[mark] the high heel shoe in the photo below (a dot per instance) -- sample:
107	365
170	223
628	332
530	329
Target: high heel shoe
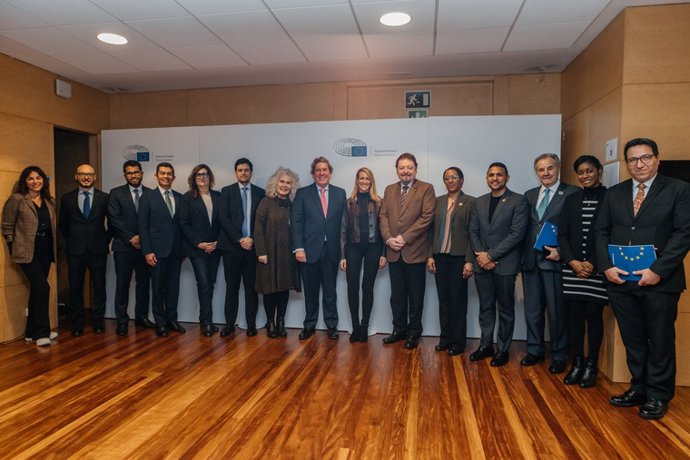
281	332
271	329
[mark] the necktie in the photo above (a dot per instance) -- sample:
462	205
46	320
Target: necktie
87	205
136	199
245	223
169	203
324	203
403	195
639	198
543	204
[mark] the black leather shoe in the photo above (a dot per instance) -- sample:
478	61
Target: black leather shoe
208	329
145	322
161	331
271	331
455	350
396	336
531	360
121	329
653	409
227	330
576	371
628	399
482	353
251	330
98	328
333	333
500	359
175	326
411	343
589	376
441	347
354	337
363	334
77	332
557	366
306	333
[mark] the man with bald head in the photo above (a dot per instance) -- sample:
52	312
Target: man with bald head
83	214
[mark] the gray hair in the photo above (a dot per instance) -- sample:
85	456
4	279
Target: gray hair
544	156
272	183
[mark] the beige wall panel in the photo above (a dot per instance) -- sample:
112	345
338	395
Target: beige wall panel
657	40
684	304
575	141
604	124
32	95
502	95
25	142
534	94
597	71
683	349
261	104
149	110
13	318
660	112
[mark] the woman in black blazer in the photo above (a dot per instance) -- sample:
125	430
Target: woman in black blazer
28	226
200	226
583	284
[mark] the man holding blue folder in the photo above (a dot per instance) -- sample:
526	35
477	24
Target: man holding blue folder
651	211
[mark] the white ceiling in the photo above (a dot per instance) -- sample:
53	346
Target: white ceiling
178	44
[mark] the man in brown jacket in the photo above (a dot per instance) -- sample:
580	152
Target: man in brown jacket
406	213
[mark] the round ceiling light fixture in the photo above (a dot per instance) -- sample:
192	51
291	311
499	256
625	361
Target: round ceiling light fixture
395	19
112	39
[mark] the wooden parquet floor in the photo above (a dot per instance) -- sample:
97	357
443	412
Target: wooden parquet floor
188	396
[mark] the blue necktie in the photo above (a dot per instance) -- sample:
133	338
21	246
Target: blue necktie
86	210
245	223
543	204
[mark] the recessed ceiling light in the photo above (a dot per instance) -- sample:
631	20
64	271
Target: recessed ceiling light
112	39
395	19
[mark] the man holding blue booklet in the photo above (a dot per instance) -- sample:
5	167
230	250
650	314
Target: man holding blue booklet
650	211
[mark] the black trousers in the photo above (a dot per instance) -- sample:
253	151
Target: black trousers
646	321
408	282
320	276
36	272
165	282
585	316
125	264
205	272
239	266
452	299
496	291
276	302
356	255
76	271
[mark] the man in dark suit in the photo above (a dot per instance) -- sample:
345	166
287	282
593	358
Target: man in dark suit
161	244
407	211
649	209
123	206
497	228
236	241
83	214
317	212
541	269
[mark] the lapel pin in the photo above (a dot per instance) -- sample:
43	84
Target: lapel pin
561	192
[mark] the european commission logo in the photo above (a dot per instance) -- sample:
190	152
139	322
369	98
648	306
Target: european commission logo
136	152
350	147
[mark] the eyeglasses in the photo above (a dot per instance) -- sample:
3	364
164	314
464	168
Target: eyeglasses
86	175
450	178
201	175
645	159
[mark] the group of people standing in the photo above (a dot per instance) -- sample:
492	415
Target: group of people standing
289	237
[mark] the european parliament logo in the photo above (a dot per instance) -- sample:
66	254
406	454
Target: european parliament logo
350	147
136	152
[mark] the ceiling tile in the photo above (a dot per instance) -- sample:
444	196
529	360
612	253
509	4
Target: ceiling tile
175	32
332	48
386	46
49	40
273	4
471	40
88	34
151	60
272	52
318	21
245	27
130	10
475	14
95	62
63	12
544	36
423	14
12	17
206	7
209	57
549	11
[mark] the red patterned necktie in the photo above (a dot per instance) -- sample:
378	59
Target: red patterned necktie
639	198
324	203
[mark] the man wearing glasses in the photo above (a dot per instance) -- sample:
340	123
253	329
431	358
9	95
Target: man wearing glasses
123	207
83	214
648	209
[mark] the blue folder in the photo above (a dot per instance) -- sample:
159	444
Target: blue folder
548	236
632	258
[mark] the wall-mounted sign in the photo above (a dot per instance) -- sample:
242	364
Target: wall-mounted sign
417	114
417	99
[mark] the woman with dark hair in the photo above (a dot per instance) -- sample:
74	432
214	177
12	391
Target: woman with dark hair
361	244
450	259
583	286
277	271
200	226
28	226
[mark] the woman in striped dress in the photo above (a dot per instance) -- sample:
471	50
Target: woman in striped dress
583	285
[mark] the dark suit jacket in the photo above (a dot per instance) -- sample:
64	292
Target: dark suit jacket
411	221
122	217
82	234
195	225
502	237
531	258
663	220
159	232
309	227
460	223
231	215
